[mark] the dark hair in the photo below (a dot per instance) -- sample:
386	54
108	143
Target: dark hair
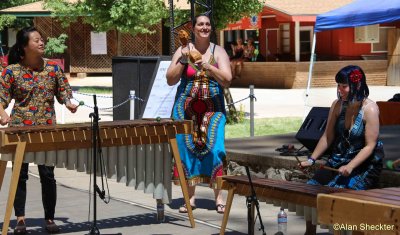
354	76
17	50
203	14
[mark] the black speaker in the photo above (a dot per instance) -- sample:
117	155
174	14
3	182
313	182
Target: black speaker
131	73
313	127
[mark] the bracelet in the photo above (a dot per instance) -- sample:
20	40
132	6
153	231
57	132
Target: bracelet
311	160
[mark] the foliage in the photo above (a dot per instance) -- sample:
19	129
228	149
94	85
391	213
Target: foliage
12	3
264	126
225	11
136	16
55	46
237	117
6	21
126	16
10	20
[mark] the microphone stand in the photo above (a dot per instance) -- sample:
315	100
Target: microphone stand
96	147
250	201
95	130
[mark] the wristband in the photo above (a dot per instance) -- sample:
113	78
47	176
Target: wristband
311	160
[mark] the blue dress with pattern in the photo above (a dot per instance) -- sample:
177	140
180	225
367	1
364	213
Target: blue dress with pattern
345	147
200	98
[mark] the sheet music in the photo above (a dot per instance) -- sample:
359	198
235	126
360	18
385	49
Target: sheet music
162	96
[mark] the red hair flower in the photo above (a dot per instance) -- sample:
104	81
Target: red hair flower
355	76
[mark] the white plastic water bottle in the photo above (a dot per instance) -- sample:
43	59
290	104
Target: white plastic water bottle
282	221
160	212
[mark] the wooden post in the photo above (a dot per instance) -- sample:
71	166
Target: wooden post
19	156
229	199
393	70
182	179
3	165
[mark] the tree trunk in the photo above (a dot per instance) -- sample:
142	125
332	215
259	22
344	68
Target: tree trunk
231	105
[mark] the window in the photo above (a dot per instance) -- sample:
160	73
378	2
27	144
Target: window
366	34
285	37
381	46
305	39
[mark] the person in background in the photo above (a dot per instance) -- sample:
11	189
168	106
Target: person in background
33	82
352	133
200	98
237	58
249	50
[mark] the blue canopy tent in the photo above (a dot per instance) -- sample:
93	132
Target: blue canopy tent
355	14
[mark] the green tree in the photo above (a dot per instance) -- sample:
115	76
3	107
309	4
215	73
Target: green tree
55	46
225	11
228	11
125	16
10	20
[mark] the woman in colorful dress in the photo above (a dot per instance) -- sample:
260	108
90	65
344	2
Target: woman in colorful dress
352	133
200	98
33	82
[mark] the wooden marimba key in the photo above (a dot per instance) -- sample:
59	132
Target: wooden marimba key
373	211
288	194
70	145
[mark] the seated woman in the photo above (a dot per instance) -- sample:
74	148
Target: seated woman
237	58
352	134
249	50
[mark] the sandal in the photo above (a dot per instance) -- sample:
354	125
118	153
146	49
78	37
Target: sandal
52	227
220	208
183	208
20	228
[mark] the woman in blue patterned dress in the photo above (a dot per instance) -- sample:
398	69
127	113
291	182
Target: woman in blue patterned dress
200	98
352	133
33	82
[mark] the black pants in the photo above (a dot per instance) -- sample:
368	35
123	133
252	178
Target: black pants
49	191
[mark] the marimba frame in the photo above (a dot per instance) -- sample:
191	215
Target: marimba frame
19	140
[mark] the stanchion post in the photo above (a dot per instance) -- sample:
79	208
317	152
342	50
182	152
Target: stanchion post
132	105
251	110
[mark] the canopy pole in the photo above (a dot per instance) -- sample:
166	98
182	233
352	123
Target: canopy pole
310	71
312	59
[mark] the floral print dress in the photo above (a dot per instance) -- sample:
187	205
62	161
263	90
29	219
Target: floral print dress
33	92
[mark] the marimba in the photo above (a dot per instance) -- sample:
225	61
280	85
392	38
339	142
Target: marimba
374	211
295	196
136	152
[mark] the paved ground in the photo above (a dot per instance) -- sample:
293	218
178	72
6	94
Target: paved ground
132	212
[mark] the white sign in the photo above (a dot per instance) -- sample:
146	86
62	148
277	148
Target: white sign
162	96
98	42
